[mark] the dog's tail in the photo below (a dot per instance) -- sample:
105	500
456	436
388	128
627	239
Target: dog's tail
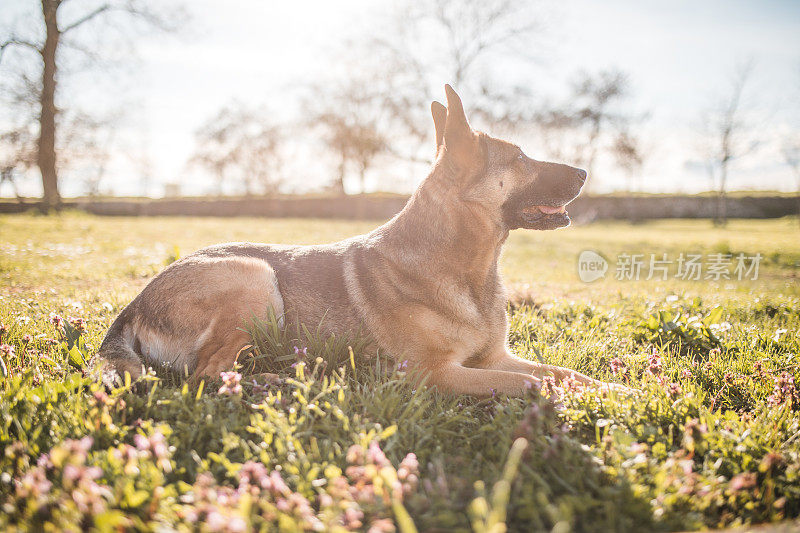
117	352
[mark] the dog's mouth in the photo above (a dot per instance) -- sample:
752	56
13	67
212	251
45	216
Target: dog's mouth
544	217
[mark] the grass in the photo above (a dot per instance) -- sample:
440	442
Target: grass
711	440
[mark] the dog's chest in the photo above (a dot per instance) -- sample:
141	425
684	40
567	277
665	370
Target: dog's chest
476	320
459	304
470	302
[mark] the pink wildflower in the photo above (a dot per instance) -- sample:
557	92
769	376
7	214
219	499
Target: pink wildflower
77	323
56	320
654	363
785	391
618	366
231	383
743	481
674	390
156	446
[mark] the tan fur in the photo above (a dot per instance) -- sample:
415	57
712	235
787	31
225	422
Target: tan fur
189	317
425	286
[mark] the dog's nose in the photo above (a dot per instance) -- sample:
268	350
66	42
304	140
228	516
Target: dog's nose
581	174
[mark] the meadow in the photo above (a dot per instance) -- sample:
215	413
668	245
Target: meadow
711	438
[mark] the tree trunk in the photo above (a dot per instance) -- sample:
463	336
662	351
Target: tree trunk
630	201
591	183
722	201
798	204
338	185
46	157
363	178
798	196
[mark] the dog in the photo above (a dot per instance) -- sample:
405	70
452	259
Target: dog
425	286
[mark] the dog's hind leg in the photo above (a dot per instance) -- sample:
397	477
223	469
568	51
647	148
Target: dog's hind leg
118	356
237	306
220	353
189	318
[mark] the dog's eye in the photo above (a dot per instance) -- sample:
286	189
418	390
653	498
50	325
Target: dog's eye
521	156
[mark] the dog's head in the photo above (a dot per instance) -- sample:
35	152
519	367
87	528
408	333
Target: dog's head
513	189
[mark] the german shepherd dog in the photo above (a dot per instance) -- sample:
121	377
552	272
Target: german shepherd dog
425	286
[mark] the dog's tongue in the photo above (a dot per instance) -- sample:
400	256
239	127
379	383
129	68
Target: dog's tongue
550	210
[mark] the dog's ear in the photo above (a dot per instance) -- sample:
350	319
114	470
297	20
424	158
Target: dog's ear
460	141
439	113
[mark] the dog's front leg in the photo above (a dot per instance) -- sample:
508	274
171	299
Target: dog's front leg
501	359
482	382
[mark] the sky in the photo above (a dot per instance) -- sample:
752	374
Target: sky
679	56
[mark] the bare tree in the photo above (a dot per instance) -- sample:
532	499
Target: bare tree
84	146
17	155
141	161
241	146
472	30
351	117
419	44
791	154
628	155
595	97
728	136
591	122
45	49
18	139
473	40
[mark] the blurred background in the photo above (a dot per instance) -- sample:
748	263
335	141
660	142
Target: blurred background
250	99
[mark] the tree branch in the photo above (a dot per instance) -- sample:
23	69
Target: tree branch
86	18
14	41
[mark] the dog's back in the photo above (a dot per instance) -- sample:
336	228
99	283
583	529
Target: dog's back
174	321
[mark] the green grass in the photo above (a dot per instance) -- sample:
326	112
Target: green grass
711	440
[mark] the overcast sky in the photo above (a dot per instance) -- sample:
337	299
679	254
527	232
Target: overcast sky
679	56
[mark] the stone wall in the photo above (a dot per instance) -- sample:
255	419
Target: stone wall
375	207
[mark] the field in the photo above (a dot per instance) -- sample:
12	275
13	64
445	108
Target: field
711	439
